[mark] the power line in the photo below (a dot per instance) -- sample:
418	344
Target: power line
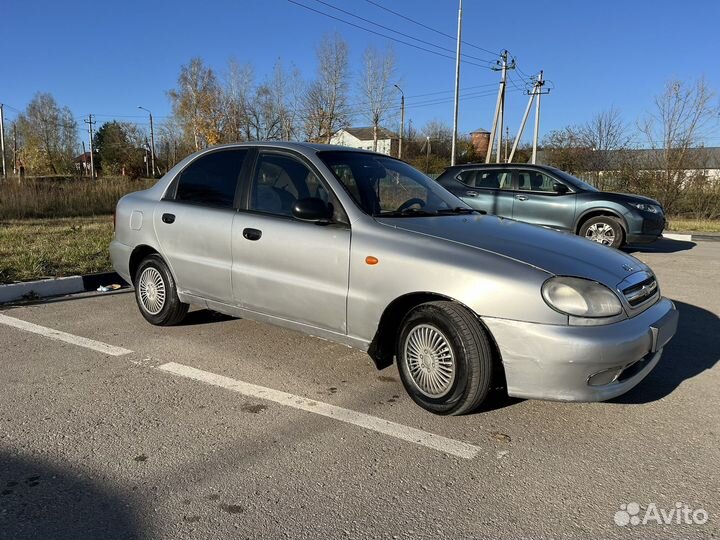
494	54
324	14
398	32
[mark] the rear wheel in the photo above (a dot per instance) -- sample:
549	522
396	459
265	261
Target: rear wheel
444	358
156	293
605	230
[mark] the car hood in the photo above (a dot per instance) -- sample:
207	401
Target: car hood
554	252
617	197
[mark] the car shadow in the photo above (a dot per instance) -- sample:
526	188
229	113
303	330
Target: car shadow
693	350
204	316
42	500
665	245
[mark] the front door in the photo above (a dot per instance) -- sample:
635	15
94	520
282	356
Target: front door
488	190
537	202
194	224
284	267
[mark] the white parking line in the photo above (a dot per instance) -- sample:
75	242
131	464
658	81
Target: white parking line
373	423
399	431
62	336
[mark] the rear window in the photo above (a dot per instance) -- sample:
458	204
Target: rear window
211	179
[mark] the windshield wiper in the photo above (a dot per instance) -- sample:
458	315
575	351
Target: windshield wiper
408	212
456	210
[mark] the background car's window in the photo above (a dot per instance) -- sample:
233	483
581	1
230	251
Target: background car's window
486	179
281	180
211	179
535	181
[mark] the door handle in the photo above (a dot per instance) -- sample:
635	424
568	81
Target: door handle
168	218
521	197
472	194
252	234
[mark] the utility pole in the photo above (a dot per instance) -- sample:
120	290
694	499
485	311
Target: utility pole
497	124
426	147
15	160
402	120
90	122
507	138
536	92
147	164
539	83
2	140
457	86
152	139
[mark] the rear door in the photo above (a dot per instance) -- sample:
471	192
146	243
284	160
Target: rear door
284	267
537	202
194	223
487	189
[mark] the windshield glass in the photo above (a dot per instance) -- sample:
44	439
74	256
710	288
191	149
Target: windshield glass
575	182
387	187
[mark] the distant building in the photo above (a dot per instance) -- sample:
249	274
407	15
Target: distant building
701	160
480	140
82	163
362	137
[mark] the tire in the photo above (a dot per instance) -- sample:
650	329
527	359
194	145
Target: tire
152	279
606	230
445	326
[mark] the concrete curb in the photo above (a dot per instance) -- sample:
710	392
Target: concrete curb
678	237
692	237
32	290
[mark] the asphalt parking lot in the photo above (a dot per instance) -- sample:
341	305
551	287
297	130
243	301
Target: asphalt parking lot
226	428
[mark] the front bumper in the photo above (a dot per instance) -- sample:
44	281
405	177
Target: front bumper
556	362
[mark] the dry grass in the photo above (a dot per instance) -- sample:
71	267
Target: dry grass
36	249
61	197
694	225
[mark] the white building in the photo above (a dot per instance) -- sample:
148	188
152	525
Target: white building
362	137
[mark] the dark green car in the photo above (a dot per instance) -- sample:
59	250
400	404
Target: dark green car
549	197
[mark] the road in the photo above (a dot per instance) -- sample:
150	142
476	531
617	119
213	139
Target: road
208	430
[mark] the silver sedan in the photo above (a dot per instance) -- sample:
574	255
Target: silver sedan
364	250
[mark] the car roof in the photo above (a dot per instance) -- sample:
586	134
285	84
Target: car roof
292	145
496	165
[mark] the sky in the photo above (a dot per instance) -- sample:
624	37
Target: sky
107	58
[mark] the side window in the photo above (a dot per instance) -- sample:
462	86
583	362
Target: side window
211	179
486	179
535	181
281	180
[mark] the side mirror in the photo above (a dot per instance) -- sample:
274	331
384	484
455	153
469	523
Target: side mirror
559	188
312	209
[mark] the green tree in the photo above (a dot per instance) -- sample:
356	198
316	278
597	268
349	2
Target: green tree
119	148
47	135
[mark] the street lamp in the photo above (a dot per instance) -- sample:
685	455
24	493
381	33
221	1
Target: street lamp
402	119
152	140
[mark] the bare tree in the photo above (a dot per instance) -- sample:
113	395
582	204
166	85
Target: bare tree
197	103
237	95
603	142
326	98
684	115
377	83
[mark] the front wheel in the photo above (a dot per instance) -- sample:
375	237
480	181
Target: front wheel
444	358
604	230
156	294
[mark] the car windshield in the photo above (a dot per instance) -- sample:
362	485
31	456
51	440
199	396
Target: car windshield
574	181
387	187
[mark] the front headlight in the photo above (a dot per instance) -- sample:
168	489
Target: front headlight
581	297
647	207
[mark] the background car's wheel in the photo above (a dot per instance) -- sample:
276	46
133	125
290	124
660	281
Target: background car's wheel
605	230
444	358
156	293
